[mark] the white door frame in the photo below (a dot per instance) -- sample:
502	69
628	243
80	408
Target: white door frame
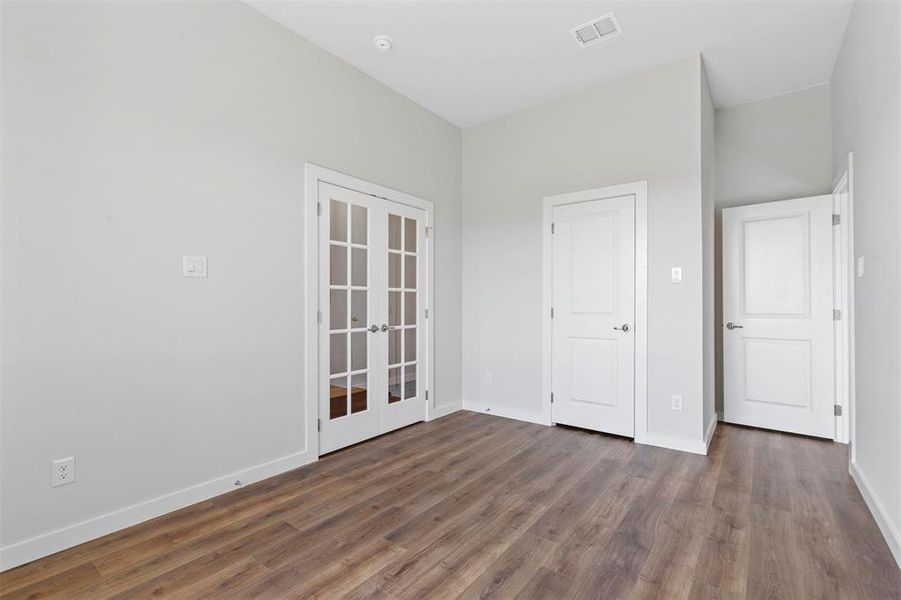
843	259
313	175
639	189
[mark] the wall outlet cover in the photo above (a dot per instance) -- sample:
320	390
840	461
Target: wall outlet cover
62	471
677	401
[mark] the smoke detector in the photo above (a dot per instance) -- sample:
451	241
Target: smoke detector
594	31
383	43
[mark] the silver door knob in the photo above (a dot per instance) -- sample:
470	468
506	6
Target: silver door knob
389	327
730	326
624	327
373	329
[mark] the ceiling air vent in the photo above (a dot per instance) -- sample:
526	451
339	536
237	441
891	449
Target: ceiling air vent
599	29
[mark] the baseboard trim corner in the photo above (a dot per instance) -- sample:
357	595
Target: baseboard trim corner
506	412
672	443
891	535
443	411
708	435
51	542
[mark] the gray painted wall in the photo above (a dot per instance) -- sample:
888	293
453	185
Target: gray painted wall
775	149
646	126
133	134
866	102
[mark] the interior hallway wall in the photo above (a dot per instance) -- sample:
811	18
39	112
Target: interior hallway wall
645	126
775	149
134	133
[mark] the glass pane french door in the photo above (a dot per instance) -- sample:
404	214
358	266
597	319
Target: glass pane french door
348	350
404	310
372	339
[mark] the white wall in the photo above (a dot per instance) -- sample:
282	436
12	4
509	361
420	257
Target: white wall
708	201
134	133
866	102
645	126
775	149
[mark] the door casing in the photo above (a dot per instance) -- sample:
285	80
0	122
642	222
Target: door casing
313	176
639	189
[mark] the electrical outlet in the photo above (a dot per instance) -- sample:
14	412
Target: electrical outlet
487	378
677	401
62	471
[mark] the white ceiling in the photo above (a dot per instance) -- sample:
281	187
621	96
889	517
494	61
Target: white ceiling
472	61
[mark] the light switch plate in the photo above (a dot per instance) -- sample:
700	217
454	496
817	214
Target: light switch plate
677	274
193	266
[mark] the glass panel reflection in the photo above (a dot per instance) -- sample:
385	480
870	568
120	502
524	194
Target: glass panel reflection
394	232
358	224
393	308
410	235
338	265
338	221
337	397
358	316
394	385
338	353
394	270
409	381
394	346
410	272
358	350
358	266
358	392
338	309
409	308
409	344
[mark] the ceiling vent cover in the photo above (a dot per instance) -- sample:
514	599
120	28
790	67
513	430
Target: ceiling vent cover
599	29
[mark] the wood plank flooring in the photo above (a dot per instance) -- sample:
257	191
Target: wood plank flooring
474	506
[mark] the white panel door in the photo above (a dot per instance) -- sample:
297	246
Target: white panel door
593	341
777	308
372	342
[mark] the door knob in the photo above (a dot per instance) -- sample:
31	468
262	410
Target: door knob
730	326
373	329
385	327
624	327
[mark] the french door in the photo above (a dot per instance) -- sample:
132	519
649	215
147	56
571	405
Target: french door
372	279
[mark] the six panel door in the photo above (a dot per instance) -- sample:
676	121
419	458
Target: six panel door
777	313
593	352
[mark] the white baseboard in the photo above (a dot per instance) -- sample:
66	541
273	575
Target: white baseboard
45	544
891	535
672	443
442	411
708	435
506	412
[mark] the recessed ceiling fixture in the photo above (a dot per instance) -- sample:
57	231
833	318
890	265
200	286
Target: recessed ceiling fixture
594	31
383	43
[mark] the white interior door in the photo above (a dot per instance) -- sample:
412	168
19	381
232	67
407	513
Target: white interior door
777	305
372	283
593	341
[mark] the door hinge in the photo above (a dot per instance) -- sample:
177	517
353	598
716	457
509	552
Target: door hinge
552	228
318	424
427	394
552	397
552	312
426	313
319	316
836	219
837	409
319	209
836	314
428	230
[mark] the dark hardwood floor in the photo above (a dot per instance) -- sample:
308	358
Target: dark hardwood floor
475	506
